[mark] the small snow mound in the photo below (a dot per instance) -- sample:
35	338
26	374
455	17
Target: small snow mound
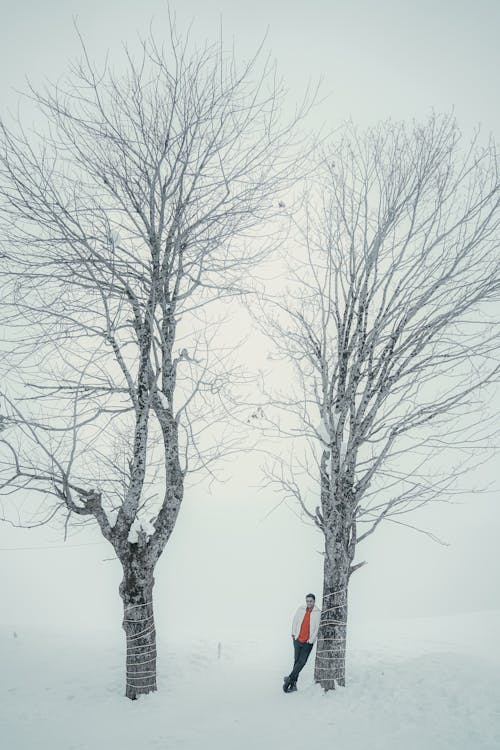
138	526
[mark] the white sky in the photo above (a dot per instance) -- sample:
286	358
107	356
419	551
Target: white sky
228	567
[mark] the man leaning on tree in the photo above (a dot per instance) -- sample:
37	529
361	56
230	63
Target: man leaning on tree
305	628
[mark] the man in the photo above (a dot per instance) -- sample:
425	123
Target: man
305	628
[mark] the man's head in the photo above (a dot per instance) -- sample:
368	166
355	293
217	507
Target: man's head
310	600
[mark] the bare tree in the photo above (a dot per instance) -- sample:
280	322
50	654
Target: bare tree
128	211
389	322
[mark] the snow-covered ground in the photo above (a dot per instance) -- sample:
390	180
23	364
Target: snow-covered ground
419	684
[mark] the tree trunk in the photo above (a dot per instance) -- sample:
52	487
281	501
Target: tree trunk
136	591
330	654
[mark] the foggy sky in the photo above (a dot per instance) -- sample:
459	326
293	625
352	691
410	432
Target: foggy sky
230	566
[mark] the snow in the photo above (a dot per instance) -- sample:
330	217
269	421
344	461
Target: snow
112	515
140	525
342	452
163	399
417	683
323	432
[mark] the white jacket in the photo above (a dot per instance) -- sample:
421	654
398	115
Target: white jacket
313	622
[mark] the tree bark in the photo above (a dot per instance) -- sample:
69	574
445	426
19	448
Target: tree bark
331	649
136	591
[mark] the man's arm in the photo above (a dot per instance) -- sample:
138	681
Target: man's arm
314	627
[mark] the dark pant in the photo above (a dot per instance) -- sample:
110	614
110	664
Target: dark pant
301	653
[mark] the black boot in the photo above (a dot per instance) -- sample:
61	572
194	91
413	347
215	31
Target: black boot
286	683
292	688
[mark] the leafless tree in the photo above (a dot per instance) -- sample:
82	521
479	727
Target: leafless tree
129	210
389	321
